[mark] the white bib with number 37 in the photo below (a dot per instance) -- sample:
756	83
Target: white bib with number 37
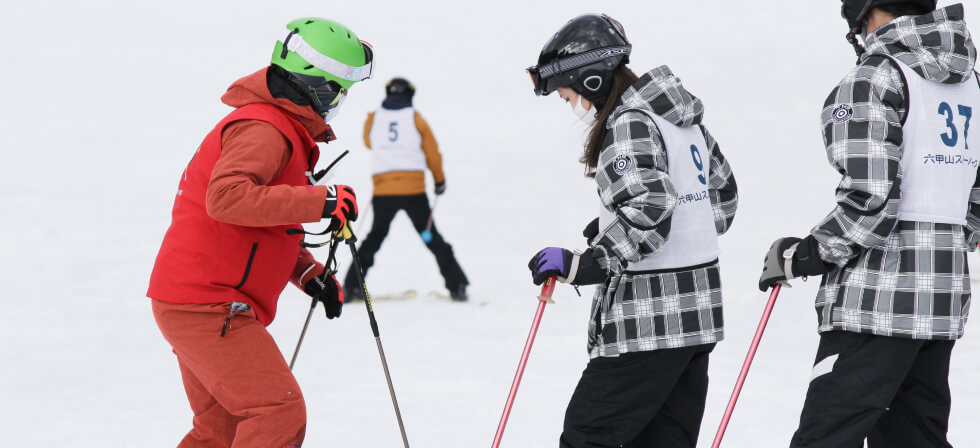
941	152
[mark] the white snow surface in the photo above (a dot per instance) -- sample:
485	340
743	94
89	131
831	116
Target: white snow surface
107	100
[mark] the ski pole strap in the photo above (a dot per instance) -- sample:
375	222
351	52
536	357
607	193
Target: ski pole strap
303	243
331	264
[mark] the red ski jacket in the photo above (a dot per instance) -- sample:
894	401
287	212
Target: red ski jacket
207	260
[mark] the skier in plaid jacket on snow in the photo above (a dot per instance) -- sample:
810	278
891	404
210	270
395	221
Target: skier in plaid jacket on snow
688	301
895	292
665	193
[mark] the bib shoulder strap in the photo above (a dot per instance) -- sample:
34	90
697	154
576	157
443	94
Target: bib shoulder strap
649	115
905	81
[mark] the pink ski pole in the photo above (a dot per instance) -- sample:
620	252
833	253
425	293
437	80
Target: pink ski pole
546	290
746	365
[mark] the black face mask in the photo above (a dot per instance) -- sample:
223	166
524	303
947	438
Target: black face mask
323	93
303	90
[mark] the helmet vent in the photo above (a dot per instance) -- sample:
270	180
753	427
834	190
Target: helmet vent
331	30
308	67
309	22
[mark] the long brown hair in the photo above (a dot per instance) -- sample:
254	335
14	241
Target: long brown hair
622	79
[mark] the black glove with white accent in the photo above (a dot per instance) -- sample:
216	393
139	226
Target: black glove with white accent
327	290
440	188
790	258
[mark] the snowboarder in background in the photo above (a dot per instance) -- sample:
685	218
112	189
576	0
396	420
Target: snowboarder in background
665	194
895	291
403	146
227	254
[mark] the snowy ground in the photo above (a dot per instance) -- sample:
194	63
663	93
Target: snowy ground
106	101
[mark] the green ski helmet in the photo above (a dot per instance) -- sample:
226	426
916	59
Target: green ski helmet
325	56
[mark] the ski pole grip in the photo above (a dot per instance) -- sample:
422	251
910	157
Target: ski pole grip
547	289
345	232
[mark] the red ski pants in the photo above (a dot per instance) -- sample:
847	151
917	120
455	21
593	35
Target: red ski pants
239	386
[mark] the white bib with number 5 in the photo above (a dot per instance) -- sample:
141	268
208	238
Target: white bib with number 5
396	142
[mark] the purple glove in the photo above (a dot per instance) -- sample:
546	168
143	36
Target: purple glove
550	262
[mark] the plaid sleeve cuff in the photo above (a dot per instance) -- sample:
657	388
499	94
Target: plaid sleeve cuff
807	261
608	263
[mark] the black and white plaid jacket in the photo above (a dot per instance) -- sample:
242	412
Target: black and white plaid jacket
891	277
653	310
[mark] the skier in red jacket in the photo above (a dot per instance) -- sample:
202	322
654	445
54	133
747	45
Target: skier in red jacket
227	254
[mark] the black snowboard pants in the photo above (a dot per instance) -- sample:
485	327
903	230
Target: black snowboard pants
894	392
417	207
650	399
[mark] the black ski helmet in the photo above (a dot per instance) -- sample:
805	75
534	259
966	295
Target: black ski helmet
855	12
582	55
399	86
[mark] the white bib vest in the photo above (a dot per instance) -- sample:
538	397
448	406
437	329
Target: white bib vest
396	142
692	239
940	151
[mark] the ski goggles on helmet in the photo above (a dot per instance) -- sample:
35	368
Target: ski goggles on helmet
547	77
292	41
324	93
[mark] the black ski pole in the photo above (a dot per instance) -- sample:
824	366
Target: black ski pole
351	239
427	233
328	270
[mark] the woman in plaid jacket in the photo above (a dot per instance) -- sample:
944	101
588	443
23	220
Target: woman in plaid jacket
895	293
657	311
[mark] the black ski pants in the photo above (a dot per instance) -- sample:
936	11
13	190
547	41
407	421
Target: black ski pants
894	392
417	207
652	399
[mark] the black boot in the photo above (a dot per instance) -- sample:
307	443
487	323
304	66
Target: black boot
458	294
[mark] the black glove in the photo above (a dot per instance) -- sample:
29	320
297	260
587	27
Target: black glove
589	271
592	230
327	290
340	206
790	258
440	188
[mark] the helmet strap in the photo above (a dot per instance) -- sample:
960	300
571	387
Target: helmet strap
851	37
285	44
